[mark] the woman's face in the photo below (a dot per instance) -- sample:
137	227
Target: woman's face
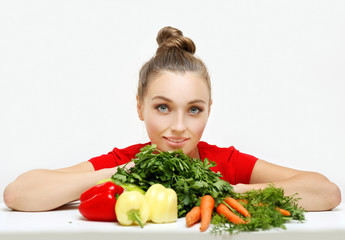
175	110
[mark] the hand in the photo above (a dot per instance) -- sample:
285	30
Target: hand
112	171
240	188
129	165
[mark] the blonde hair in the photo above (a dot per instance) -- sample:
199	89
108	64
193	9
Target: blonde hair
175	53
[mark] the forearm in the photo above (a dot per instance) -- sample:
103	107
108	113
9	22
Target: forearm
41	189
317	193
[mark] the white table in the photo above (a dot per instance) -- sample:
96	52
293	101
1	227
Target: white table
67	223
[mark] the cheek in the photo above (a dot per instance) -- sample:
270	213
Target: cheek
151	126
198	126
154	124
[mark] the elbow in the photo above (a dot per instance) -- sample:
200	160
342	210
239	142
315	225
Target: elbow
334	196
330	193
9	196
321	195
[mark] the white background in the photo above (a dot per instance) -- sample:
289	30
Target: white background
69	69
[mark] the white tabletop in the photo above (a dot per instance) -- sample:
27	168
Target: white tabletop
67	223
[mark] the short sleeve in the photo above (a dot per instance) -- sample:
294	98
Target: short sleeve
243	165
116	157
235	167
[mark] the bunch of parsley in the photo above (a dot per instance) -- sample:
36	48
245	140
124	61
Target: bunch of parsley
190	178
262	206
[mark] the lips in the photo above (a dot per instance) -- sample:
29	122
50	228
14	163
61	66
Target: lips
176	141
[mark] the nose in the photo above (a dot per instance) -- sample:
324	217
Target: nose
179	123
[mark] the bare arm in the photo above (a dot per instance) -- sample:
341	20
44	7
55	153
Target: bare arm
317	193
42	189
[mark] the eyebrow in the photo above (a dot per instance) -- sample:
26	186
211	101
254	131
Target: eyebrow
169	100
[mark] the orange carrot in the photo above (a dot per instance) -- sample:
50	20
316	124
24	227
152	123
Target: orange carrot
246	202
283	212
193	216
242	201
237	206
206	209
222	209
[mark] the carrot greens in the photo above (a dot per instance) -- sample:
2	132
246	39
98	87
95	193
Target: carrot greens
262	205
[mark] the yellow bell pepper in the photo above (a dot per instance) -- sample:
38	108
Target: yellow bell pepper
163	204
132	208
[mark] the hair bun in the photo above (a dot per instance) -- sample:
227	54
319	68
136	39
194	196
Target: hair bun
169	37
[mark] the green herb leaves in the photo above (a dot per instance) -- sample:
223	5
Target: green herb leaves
190	178
262	205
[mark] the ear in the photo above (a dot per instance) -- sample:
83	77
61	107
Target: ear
140	109
209	107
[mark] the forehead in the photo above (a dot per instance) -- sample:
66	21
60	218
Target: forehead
178	86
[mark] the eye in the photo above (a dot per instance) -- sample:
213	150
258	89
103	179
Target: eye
162	108
195	110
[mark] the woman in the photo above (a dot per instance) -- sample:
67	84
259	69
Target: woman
174	100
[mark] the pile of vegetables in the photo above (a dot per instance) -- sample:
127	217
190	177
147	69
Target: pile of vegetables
163	186
190	178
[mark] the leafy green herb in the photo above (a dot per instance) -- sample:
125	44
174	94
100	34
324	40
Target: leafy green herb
262	206
190	178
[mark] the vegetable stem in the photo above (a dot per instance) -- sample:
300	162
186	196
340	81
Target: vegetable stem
134	215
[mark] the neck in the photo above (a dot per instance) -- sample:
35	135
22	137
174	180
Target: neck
194	153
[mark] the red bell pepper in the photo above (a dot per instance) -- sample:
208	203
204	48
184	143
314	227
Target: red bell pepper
98	202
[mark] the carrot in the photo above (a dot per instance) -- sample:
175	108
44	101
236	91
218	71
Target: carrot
242	201
193	216
246	202
206	209
237	206
222	209
283	212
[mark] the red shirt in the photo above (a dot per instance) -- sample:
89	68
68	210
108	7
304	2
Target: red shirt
236	167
